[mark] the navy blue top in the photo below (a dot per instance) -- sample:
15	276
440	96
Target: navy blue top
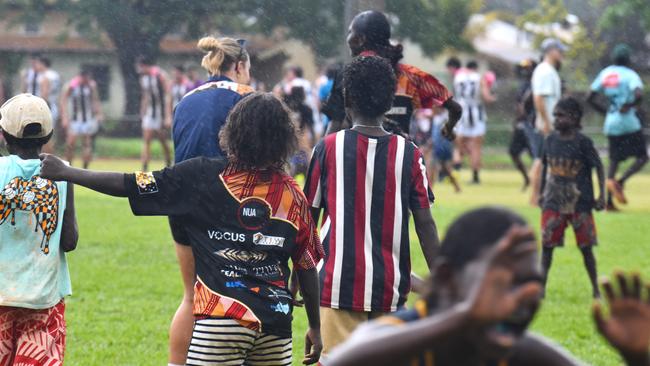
201	114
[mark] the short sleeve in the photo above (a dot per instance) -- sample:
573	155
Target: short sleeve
432	92
334	107
597	84
635	82
309	250
313	185
167	192
542	83
421	195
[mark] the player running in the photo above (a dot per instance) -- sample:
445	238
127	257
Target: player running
524	119
369	35
624	90
81	115
244	218
472	91
154	109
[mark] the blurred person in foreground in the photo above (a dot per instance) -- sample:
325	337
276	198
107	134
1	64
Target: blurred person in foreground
367	182
198	118
37	227
484	292
81	115
155	103
567	190
524	118
244	218
369	35
546	86
623	90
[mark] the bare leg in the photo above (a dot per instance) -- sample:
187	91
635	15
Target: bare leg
180	331
70	143
446	166
639	163
162	137
146	148
519	164
87	153
476	144
590	265
547	260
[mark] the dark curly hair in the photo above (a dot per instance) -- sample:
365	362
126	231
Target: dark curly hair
259	133
572	106
369	85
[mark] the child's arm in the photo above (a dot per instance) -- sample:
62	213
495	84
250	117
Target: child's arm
109	183
427	232
543	184
70	230
310	289
600	201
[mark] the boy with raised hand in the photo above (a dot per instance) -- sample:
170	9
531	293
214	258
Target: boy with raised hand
485	291
367	181
37	227
244	218
567	193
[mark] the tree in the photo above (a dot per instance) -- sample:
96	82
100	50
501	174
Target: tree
136	27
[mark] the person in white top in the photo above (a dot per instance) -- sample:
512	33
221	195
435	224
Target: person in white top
80	114
547	90
472	91
155	107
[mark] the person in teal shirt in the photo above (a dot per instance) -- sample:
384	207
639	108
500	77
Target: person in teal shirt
37	227
623	89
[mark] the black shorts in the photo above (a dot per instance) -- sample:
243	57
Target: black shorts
179	232
519	142
627	146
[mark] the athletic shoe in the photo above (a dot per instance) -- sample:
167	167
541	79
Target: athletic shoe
615	188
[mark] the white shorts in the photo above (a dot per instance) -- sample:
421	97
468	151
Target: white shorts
84	128
150	123
477	129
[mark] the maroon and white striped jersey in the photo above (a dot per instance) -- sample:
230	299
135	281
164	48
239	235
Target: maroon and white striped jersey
366	186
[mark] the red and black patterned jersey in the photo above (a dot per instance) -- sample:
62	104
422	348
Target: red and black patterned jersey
415	89
366	186
243	226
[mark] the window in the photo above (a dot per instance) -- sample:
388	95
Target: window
32	27
102	75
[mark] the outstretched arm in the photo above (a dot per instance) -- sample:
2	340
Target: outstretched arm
109	183
70	230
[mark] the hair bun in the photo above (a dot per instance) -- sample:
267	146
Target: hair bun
208	44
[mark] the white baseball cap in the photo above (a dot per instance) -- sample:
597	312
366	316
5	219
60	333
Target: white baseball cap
23	110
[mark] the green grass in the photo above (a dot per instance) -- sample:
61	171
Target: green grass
127	286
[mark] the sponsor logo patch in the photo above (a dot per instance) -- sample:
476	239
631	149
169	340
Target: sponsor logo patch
235	284
281	308
241	255
254	213
267	240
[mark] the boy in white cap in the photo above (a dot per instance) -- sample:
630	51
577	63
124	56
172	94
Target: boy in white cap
37	225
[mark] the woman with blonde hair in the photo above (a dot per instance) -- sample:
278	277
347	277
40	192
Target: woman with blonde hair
198	118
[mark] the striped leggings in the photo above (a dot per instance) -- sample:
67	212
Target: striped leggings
226	342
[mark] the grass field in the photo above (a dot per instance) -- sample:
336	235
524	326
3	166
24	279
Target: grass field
127	286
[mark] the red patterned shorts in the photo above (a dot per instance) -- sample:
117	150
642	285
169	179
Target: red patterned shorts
30	337
554	224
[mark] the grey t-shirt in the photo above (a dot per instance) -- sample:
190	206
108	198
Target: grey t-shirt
546	82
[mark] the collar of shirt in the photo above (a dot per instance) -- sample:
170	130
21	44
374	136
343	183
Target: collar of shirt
218	78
